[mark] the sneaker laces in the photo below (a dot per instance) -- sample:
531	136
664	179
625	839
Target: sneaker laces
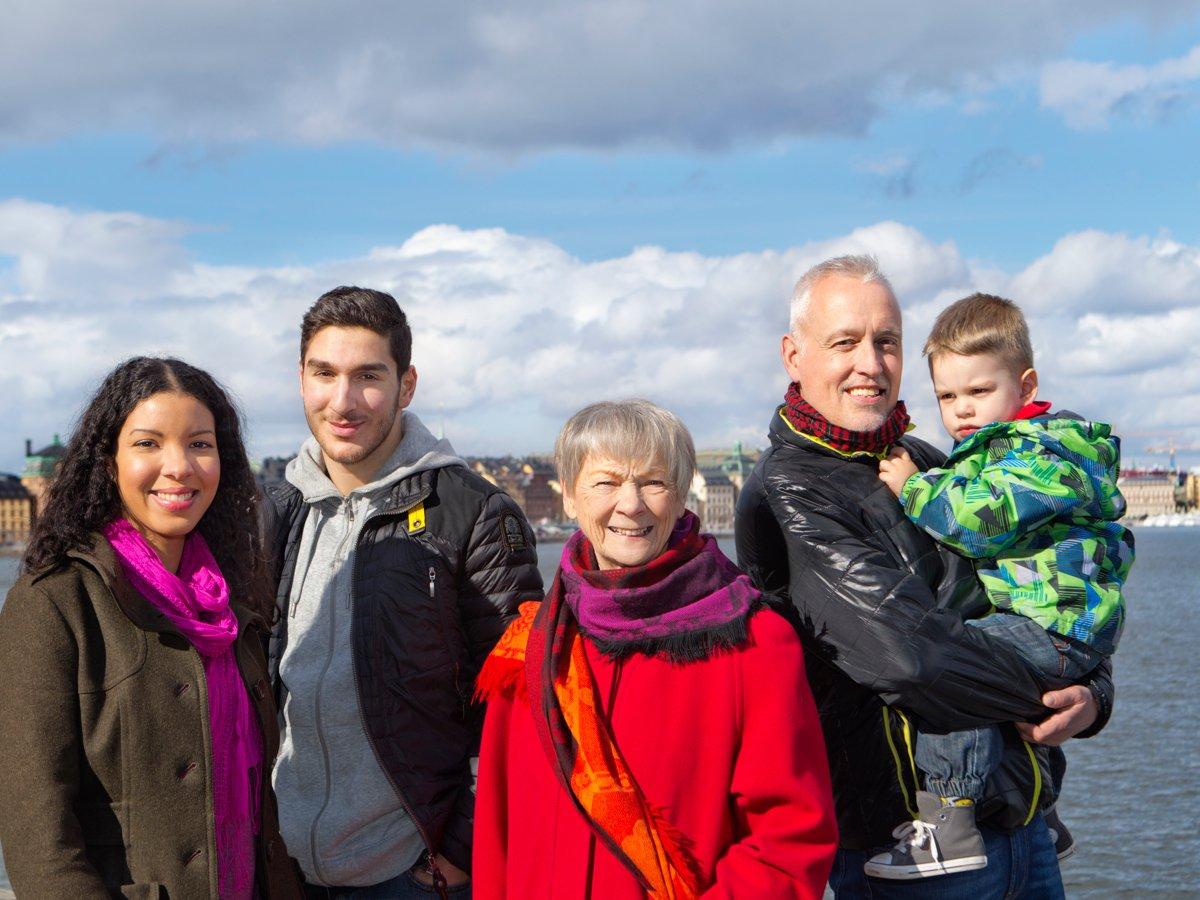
918	834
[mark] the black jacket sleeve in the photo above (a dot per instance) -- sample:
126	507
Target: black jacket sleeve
500	572
876	621
1105	694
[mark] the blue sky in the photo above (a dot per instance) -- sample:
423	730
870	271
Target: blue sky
156	168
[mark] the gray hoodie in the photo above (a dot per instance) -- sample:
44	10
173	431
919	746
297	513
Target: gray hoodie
338	812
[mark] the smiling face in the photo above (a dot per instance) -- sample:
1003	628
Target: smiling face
353	396
167	469
626	510
973	391
847	355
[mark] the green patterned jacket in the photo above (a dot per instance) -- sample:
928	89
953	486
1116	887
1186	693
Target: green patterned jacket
1035	502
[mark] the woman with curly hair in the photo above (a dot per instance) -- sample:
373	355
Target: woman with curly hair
139	727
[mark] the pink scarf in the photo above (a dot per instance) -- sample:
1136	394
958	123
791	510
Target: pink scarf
196	602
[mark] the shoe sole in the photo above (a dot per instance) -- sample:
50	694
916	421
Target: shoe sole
1067	853
925	870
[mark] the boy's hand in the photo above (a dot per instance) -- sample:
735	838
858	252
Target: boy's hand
897	469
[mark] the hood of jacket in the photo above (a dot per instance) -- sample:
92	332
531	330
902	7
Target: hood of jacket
418	451
1090	446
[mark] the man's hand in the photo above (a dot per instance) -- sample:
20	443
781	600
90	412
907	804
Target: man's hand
454	875
1077	710
897	469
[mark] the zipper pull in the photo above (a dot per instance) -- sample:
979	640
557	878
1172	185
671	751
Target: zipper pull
439	879
432	579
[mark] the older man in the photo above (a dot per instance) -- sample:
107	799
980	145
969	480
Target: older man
881	607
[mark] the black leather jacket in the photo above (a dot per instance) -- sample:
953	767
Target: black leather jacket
880	607
430	597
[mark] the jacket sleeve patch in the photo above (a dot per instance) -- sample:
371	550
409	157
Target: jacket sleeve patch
514	534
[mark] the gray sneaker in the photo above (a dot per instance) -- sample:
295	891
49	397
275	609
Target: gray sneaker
1060	835
944	839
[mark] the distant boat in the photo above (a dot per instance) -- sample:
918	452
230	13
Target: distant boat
1171	520
560	531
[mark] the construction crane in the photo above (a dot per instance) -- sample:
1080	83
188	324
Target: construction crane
1170	448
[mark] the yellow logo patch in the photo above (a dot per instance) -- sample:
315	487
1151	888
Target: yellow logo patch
416	518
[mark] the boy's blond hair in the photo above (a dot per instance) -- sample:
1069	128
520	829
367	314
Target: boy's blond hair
982	323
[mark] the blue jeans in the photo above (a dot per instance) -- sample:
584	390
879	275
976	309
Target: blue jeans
403	887
958	764
1021	866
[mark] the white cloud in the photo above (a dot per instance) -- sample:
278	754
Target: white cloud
513	77
512	333
1091	95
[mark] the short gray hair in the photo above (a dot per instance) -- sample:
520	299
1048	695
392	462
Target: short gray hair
864	267
626	431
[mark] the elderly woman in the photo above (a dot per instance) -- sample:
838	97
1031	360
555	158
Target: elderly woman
649	728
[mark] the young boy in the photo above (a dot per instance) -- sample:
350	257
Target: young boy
1032	497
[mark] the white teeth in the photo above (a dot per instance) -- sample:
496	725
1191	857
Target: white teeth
866	392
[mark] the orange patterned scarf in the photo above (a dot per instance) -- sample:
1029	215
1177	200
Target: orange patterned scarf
570	721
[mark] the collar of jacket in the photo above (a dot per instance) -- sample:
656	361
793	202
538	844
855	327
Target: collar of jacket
401	497
1037	427
408	492
140	611
827	447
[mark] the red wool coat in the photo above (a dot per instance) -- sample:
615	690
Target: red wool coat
729	748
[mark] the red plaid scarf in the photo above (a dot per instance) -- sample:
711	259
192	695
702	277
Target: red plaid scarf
801	415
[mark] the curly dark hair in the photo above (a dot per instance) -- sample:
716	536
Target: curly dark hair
83	497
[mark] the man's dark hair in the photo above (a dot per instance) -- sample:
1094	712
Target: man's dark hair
355	307
84	497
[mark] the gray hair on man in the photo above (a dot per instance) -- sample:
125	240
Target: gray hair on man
626	431
863	267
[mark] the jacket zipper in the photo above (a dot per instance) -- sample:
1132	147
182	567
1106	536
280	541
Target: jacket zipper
909	798
439	879
320	730
446	637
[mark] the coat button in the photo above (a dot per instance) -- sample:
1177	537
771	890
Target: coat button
185	771
270	850
260	689
188	857
181	689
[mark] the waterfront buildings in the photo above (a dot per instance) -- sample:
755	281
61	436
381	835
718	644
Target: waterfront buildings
712	498
1151	492
531	481
21	495
16	511
40	468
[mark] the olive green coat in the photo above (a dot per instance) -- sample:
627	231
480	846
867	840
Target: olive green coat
106	765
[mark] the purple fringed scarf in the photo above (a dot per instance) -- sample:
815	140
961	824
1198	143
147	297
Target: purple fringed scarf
196	602
681	602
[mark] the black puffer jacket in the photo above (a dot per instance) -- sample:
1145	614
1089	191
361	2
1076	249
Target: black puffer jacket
880	608
438	574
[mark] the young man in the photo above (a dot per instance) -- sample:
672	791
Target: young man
879	607
397	569
1032	497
